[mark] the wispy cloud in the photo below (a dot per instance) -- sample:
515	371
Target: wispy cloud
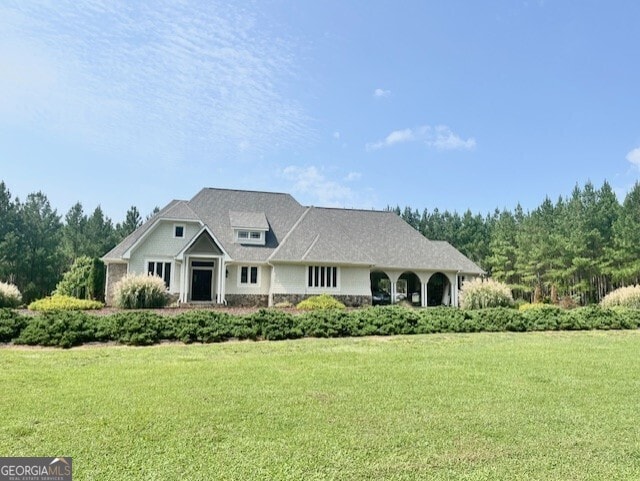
164	76
440	137
634	157
379	93
313	183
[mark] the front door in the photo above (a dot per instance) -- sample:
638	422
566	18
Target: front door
201	280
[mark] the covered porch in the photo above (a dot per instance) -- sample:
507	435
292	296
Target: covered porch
202	271
424	289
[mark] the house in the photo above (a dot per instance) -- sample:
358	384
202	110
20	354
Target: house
245	248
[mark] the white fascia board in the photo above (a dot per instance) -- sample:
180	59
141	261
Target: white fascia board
225	254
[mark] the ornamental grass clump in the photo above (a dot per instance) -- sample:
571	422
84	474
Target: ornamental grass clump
628	297
480	294
140	291
9	295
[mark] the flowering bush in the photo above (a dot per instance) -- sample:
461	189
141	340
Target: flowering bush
479	294
624	297
140	291
64	303
9	295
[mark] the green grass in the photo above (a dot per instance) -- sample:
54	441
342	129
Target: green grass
556	406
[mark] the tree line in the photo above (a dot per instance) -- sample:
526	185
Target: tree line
37	245
582	246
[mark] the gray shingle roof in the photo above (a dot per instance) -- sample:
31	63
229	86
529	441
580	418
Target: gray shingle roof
248	220
309	234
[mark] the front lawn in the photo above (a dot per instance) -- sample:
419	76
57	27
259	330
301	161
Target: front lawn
494	406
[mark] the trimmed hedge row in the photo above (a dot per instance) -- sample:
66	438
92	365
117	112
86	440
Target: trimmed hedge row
72	328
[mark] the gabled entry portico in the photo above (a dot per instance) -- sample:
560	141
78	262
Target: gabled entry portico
202	270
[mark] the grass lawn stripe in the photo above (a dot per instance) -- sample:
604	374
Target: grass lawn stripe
562	405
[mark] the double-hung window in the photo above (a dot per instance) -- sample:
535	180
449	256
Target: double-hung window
248	275
322	276
160	269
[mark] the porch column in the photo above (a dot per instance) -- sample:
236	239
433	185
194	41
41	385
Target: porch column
454	292
184	269
423	294
393	293
221	280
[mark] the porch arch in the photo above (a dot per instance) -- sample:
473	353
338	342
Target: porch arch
439	292
409	285
381	287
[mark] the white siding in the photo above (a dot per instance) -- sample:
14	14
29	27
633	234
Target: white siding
160	244
232	285
292	279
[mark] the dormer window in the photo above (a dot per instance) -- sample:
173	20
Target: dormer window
250	236
249	227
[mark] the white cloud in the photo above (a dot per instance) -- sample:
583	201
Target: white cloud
161	77
444	139
353	176
336	135
378	93
441	138
634	157
395	137
313	183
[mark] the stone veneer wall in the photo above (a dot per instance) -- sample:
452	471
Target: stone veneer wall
247	300
115	272
349	301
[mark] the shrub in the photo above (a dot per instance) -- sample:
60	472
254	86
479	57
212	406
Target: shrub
628	297
84	279
480	294
9	295
137	328
325	323
275	325
140	291
64	303
58	328
323	301
11	324
211	326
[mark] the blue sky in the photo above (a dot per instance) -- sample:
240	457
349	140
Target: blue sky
448	104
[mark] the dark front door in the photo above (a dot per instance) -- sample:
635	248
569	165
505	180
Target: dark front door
201	284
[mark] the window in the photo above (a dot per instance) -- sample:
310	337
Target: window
162	270
250	237
249	275
322	276
178	231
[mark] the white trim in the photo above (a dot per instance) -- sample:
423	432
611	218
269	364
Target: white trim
180	255
261	240
239	282
321	288
184	231
163	260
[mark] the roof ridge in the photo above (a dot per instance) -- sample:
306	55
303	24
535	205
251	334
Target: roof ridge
356	209
293	228
313	243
